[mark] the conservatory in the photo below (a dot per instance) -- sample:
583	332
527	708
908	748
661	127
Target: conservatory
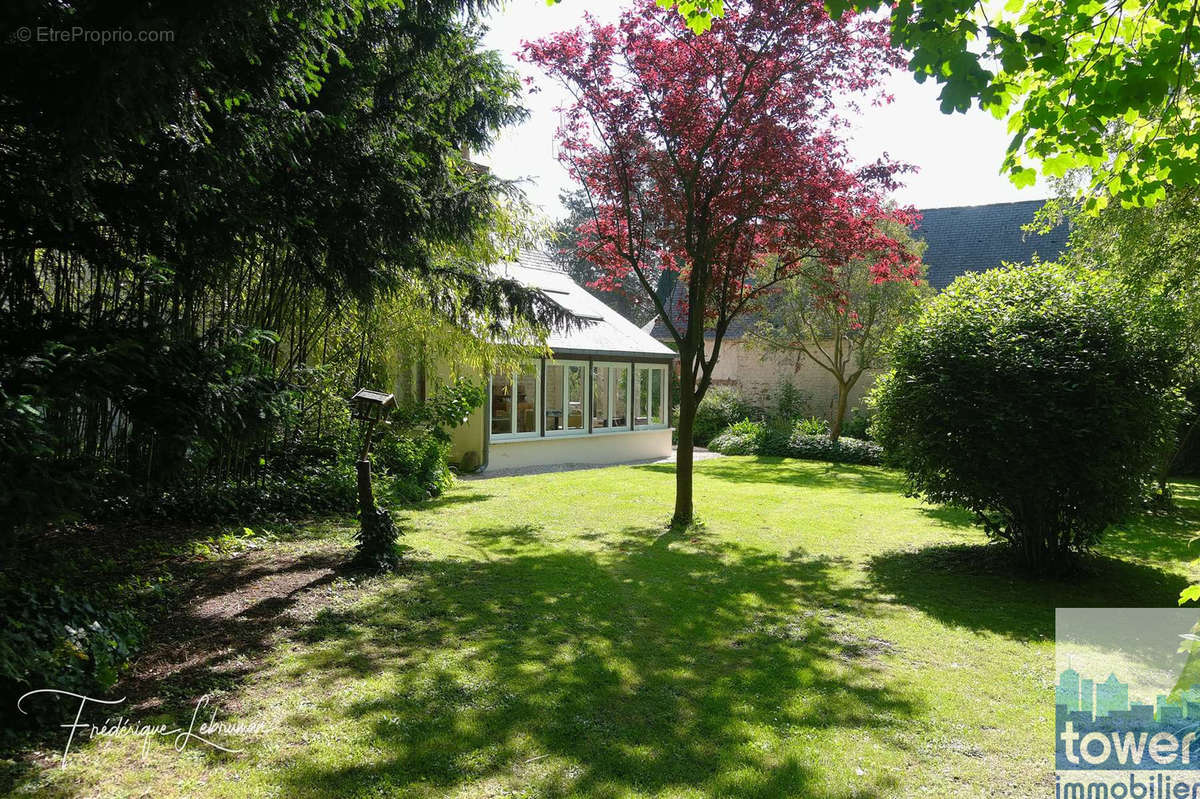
602	397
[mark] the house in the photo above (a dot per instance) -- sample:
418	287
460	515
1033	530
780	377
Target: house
602	397
958	240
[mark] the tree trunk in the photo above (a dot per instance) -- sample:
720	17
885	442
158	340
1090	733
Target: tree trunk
366	497
839	416
683	454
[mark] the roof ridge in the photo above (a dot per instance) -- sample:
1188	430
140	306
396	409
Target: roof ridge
1009	203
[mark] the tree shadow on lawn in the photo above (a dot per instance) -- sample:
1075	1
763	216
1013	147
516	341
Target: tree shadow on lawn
676	664
459	497
980	588
792	471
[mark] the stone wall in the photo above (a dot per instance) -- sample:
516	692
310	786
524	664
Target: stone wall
758	375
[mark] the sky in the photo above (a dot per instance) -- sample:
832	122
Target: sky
958	156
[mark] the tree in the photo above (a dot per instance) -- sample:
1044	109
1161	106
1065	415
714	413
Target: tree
182	223
719	157
1039	397
839	318
1064	73
1156	252
624	295
1067	74
699	14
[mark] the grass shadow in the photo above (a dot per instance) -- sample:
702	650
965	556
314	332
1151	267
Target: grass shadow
791	472
979	587
651	671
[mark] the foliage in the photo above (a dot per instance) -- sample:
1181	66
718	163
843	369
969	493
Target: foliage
625	295
377	540
813	426
1067	74
1155	251
740	438
756	438
790	402
1040	398
698	14
720	158
839	316
59	639
858	425
844	450
721	407
189	286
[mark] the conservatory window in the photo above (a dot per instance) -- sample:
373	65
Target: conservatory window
565	410
610	396
515	400
649	402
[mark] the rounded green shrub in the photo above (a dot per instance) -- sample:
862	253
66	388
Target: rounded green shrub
1039	397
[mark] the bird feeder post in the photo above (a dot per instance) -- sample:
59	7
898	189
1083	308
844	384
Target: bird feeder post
370	408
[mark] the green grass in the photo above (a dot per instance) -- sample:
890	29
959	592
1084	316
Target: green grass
819	635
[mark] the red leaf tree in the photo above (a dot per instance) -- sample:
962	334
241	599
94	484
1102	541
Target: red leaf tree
719	157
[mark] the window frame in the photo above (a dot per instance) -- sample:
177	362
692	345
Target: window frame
612	395
513	435
585	398
635	405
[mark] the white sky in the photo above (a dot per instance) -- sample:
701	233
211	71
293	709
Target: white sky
958	156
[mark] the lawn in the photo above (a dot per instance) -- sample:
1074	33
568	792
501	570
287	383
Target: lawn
818	635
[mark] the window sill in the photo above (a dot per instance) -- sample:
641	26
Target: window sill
499	437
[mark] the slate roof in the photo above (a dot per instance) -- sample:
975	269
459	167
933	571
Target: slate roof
975	238
961	239
606	333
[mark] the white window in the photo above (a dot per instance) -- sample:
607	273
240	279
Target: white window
610	397
566	399
516	403
650	396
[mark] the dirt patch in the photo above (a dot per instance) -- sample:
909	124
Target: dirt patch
235	611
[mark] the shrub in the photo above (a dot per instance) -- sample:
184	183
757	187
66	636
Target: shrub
721	407
755	438
414	466
857	425
740	438
1039	398
846	450
791	403
812	426
55	639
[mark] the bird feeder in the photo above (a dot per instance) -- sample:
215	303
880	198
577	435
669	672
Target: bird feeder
371	406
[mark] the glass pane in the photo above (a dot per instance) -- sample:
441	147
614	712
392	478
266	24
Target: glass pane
656	392
527	401
501	404
642	403
554	397
600	396
575	397
620	397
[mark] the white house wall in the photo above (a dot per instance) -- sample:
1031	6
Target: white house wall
597	448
